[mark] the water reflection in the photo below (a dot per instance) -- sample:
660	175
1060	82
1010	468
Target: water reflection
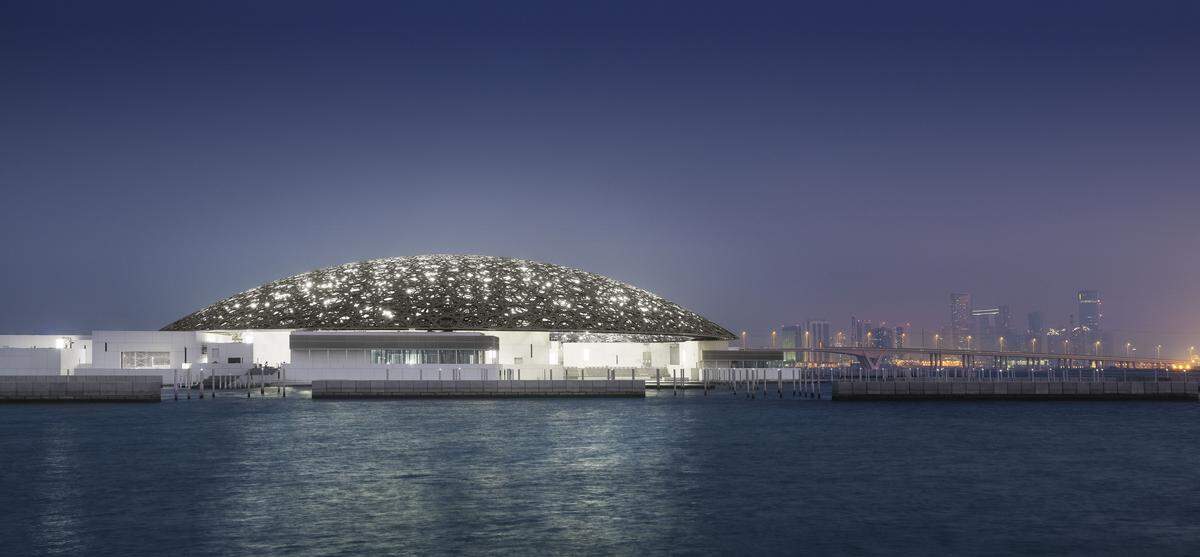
688	474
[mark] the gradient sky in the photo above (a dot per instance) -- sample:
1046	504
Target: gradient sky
759	163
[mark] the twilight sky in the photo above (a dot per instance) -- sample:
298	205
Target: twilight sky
758	163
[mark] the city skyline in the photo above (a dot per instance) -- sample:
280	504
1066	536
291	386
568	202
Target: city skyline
1018	328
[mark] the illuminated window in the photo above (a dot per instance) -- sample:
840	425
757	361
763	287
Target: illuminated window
145	360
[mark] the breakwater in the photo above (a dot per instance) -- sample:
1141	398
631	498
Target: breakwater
76	388
1016	390
477	389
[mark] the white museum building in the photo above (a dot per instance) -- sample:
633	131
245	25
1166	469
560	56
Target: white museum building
425	316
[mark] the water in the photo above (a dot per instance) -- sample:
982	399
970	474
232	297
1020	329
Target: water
663	474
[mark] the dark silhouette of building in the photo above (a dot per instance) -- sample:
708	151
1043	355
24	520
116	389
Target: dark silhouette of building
960	318
1089	309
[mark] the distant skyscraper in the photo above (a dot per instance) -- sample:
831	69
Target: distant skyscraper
1089	309
790	337
960	318
818	333
857	331
985	327
1037	323
1004	321
818	337
881	337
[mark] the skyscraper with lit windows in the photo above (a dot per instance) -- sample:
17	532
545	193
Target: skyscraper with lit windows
960	319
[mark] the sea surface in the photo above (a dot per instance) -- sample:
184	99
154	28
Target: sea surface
665	474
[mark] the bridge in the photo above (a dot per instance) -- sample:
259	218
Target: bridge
873	358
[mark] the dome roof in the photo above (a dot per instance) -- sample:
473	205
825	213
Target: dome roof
452	292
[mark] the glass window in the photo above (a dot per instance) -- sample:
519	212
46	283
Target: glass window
430	357
145	360
449	356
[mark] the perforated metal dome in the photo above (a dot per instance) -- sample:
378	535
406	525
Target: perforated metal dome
453	292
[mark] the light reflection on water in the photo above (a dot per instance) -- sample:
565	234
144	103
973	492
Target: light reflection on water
688	474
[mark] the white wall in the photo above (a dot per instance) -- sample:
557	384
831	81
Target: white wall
691	352
185	347
270	346
518	344
30	361
616	354
76	349
306	374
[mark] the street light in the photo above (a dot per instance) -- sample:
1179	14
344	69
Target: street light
1097	348
937	340
1034	343
1001	344
1158	351
1128	349
773	338
968	342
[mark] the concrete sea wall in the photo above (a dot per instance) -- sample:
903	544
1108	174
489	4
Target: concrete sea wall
1017	390
477	389
71	388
